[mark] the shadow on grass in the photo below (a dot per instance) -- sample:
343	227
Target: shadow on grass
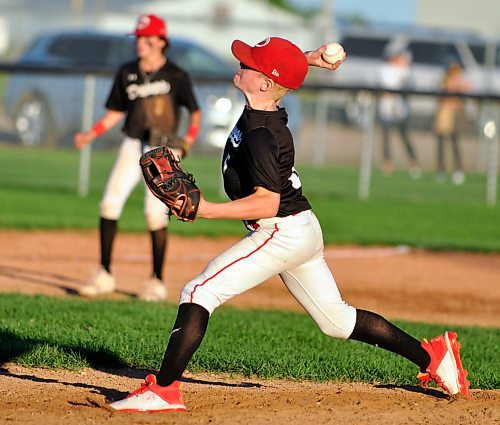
12	347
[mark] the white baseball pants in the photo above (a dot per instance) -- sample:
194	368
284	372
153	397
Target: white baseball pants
291	247
124	177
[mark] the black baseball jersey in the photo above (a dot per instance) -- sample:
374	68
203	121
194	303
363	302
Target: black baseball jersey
151	101
260	152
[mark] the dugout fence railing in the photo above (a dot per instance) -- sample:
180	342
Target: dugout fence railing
323	93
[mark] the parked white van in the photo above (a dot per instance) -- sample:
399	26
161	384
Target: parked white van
431	51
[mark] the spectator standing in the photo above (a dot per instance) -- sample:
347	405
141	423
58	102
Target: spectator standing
449	122
394	111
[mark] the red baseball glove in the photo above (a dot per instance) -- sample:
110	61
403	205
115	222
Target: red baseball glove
170	184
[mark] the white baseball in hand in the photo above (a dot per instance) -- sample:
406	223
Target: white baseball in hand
333	53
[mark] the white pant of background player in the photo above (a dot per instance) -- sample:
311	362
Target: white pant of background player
125	176
291	247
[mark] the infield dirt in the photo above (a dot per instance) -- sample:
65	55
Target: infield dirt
416	285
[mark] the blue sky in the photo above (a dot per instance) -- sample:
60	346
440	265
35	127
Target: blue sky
384	11
394	11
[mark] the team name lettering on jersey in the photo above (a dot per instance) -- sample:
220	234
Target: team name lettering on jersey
150	89
295	179
235	137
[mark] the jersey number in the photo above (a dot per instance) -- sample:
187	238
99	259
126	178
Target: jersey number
294	178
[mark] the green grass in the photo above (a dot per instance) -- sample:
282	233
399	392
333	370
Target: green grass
38	190
73	333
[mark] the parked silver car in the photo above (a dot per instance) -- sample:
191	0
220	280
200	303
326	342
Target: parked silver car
47	108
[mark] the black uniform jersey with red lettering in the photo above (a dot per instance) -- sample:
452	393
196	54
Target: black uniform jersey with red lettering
151	100
260	152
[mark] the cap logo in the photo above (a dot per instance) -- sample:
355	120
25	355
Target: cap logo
264	42
143	22
275	73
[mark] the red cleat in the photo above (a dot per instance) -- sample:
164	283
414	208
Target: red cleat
150	397
445	367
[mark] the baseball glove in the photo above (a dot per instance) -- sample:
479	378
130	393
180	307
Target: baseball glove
170	184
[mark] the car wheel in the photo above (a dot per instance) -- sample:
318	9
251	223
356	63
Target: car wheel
34	123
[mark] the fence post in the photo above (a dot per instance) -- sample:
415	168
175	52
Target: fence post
482	151
491	133
319	150
365	168
87	117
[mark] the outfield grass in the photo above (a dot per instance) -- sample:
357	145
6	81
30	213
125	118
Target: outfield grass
73	333
38	191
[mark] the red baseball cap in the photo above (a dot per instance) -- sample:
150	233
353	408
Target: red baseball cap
150	25
275	57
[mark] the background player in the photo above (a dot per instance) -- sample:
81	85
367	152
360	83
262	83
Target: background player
285	238
148	92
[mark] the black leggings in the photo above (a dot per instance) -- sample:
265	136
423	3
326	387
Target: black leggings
159	240
192	322
373	329
457	157
402	128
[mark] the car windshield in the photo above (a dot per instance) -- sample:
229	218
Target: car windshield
189	56
198	61
479	52
365	47
431	53
110	51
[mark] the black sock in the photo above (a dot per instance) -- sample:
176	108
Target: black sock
375	330
158	245
187	334
107	236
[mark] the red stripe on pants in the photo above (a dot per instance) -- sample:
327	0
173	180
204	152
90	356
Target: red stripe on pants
234	262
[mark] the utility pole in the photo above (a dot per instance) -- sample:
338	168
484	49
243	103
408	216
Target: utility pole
323	100
327	21
76	12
